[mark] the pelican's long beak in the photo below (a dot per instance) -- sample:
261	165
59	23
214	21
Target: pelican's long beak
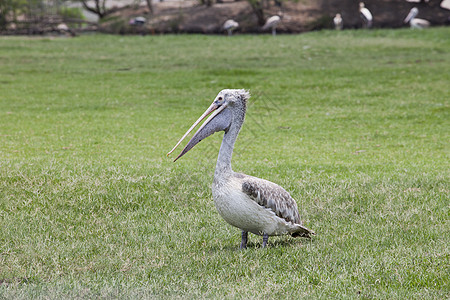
217	121
409	17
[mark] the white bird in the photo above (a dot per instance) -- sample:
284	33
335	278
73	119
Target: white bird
246	202
62	27
230	25
445	4
338	22
272	23
414	22
366	15
138	21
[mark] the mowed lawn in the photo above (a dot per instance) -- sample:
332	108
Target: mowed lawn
354	124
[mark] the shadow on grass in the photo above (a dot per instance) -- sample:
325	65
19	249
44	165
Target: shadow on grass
277	242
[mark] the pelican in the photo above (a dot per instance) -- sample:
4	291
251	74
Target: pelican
445	4
272	23
338	23
416	22
230	25
62	27
246	202
138	21
365	15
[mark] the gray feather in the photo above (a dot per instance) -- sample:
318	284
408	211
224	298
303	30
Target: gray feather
272	196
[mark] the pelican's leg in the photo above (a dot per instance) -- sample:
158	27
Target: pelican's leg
229	32
274	31
265	240
244	239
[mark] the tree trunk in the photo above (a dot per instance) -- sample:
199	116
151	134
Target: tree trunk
206	2
150	6
257	7
99	9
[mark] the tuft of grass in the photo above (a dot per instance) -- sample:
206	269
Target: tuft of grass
355	124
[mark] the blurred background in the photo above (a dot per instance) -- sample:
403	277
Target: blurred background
72	17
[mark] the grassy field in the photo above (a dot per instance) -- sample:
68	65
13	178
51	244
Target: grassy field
354	124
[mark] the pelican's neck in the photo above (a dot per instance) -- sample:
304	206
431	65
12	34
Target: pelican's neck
223	166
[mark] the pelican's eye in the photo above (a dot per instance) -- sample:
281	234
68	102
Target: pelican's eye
219	100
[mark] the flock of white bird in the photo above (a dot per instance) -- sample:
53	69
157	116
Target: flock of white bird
271	23
367	17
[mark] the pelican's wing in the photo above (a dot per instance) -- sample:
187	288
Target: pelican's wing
421	22
366	13
273	197
270	21
228	24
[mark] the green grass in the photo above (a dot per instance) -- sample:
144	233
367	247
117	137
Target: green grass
355	124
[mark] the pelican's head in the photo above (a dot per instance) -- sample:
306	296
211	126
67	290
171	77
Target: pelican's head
412	14
361	5
231	97
337	19
219	120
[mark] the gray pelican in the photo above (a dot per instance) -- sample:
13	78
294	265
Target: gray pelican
365	15
229	26
338	23
246	202
414	22
272	23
